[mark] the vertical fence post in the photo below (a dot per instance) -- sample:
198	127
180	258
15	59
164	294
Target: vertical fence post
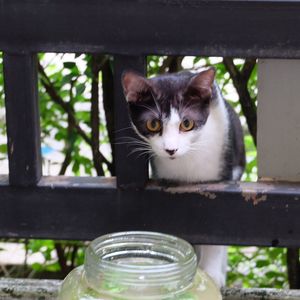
278	120
22	118
131	169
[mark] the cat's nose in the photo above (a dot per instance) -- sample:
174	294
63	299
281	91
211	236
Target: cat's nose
171	151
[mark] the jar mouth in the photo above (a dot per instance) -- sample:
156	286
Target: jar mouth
140	259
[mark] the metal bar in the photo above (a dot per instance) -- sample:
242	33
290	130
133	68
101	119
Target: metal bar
241	28
22	118
84	208
131	168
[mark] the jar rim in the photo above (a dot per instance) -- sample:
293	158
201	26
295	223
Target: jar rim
130	236
173	260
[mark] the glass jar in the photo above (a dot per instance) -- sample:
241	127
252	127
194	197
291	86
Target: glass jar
139	265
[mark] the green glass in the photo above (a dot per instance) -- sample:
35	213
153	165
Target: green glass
139	265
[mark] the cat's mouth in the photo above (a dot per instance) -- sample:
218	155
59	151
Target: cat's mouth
172	157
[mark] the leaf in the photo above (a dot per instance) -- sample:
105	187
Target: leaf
3	148
262	263
76	167
69	65
80	88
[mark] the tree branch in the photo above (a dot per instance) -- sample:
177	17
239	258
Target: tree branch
171	64
248	67
108	103
293	265
61	258
240	82
95	120
69	146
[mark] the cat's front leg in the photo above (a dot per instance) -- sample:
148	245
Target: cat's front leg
213	260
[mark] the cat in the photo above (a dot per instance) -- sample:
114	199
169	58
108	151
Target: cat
193	135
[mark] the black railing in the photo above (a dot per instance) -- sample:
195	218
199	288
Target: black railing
83	208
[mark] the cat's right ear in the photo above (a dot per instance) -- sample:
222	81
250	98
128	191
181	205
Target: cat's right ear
134	86
200	86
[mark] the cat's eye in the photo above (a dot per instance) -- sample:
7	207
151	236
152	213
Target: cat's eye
153	125
187	125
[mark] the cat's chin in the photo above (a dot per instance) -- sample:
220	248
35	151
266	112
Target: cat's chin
168	158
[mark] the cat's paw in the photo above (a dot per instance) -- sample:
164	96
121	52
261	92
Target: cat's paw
219	278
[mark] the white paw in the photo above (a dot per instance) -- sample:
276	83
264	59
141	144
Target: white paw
218	277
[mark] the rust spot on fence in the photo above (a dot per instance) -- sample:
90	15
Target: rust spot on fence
208	195
255	198
256	192
209	190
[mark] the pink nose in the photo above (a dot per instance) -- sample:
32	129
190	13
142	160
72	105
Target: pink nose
171	151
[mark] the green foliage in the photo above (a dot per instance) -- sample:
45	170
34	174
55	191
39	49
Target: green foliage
257	267
72	254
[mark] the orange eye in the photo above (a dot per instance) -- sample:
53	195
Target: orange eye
153	125
187	125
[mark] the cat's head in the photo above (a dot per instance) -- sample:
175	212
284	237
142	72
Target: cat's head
169	111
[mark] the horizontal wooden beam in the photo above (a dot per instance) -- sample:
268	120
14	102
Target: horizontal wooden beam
264	214
240	28
33	289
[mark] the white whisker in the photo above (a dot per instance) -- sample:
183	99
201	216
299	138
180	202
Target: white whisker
151	109
157	106
122	129
187	106
143	150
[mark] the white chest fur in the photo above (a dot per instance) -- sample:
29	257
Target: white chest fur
205	161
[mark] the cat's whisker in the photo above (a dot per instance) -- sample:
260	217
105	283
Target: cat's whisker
131	140
203	150
156	104
202	141
131	143
151	109
122	129
144	153
187	106
139	150
198	146
151	156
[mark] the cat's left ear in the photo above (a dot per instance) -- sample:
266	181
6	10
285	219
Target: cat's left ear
201	84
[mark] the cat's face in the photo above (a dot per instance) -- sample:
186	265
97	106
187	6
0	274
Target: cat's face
169	111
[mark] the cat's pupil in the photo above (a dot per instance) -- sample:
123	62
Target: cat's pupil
186	123
154	123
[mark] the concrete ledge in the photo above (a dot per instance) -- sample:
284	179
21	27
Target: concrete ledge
260	294
32	289
28	289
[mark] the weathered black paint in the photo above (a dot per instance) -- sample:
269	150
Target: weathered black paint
84	208
22	117
131	167
255	28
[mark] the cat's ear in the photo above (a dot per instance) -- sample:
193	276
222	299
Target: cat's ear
135	86
201	84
